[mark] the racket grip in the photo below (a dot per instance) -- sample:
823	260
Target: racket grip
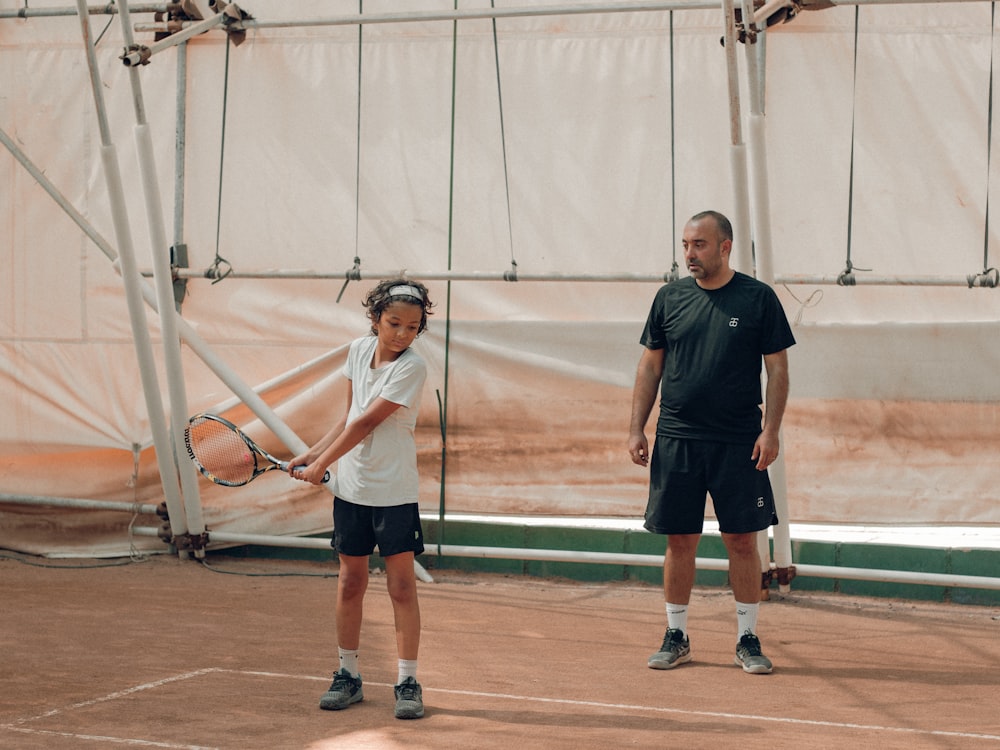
326	476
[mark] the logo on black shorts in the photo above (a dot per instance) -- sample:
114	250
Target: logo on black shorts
760	502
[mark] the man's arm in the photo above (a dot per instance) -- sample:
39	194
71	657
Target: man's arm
765	450
647	384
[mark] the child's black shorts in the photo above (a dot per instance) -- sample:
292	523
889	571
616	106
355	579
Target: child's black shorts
358	529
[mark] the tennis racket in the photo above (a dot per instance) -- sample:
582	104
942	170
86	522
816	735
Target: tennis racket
225	454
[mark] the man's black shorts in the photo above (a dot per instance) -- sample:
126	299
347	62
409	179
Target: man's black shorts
358	529
682	472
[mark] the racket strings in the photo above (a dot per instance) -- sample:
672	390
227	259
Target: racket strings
221	452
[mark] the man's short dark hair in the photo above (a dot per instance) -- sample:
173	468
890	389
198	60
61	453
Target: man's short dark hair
723	224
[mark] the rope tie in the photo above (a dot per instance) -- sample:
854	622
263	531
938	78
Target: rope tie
989	278
352	274
846	277
811	301
511	275
674	273
219	269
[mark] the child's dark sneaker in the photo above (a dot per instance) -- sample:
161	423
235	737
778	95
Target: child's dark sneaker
344	691
409	699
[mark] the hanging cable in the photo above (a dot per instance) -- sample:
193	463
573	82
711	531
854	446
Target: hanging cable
355	273
133	483
443	398
988	276
510	275
221	267
846	277
674	274
357	156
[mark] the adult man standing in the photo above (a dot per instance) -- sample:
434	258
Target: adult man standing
704	340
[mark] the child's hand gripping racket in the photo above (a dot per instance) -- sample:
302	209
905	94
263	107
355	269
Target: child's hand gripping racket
224	454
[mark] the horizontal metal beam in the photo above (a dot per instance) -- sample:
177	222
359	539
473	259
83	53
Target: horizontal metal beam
107	9
472	14
575	9
81	503
973	280
447	15
970	281
355	275
615	558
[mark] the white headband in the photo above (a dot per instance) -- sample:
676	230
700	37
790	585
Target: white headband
407	290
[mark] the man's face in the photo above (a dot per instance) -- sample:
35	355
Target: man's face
706	254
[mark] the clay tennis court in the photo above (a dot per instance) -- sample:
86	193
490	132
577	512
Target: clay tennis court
234	653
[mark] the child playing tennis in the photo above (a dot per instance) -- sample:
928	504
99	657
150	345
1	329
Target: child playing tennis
375	502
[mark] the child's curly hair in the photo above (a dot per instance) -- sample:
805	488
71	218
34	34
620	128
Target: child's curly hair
397	290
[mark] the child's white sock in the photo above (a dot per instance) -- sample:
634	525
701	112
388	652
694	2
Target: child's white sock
407	668
349	660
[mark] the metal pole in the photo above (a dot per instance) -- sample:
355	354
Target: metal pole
132	282
180	143
78	502
853	279
134	57
106	9
367	19
163	284
616	558
741	256
187	334
24	12
972	280
357	275
488	13
763	244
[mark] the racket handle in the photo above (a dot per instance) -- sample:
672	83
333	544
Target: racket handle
326	477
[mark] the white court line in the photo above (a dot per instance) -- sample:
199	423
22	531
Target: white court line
18	726
102	738
678	711
723	715
117	694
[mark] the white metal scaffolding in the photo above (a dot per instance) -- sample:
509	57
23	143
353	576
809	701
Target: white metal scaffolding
753	249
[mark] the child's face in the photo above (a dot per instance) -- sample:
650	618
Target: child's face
398	326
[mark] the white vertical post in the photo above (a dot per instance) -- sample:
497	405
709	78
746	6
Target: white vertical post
163	284
132	281
741	257
764	254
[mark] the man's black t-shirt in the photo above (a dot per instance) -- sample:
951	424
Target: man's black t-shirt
714	341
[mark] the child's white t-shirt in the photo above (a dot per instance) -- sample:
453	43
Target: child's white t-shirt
381	470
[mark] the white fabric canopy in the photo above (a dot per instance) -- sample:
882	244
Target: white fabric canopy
879	149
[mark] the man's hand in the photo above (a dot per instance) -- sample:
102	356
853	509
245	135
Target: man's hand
765	450
638	449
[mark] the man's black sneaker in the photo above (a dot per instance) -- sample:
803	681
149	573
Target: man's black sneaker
676	649
749	656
